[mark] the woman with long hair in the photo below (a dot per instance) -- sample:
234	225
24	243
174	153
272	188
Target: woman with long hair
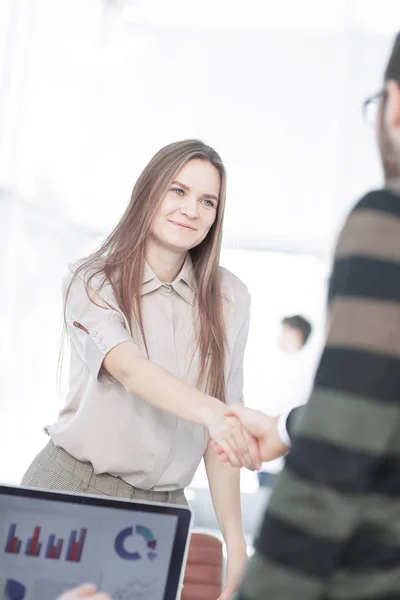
157	332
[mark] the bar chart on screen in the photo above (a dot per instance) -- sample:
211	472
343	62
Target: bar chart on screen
49	546
54	549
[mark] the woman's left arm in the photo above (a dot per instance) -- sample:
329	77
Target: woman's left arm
224	482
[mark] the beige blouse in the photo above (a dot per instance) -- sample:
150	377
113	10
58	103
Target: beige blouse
116	431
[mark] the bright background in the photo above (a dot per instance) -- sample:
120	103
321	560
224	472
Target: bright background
90	89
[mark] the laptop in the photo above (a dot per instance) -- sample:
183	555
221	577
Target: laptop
51	542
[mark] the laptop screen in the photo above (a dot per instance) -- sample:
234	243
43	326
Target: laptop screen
52	542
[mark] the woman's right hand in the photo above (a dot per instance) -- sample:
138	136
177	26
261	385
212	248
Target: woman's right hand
241	448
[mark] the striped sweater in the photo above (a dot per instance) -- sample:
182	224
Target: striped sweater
332	527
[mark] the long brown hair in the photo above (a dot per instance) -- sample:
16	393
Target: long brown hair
120	258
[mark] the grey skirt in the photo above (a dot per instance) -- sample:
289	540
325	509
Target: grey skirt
55	469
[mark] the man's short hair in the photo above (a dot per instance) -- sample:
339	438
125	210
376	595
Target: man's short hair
393	67
300	323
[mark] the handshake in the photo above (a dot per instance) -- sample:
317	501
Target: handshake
245	437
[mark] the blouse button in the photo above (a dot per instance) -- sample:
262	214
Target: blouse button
167	288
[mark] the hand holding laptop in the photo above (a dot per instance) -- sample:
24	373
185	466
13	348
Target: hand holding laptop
88	591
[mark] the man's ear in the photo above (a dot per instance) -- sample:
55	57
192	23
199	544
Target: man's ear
392	105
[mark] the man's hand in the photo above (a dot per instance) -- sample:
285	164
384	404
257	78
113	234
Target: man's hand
88	591
262	427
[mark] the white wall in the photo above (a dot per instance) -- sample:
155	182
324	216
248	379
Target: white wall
90	90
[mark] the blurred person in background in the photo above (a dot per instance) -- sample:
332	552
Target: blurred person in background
295	332
332	526
157	332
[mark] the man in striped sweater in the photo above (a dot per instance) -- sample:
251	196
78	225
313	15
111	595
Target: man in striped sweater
332	527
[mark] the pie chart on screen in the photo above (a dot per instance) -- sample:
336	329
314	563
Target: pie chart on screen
123	538
14	590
